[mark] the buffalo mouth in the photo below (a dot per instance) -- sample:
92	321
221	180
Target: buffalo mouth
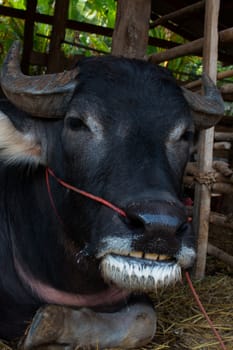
140	272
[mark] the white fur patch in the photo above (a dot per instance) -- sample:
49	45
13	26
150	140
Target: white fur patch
177	132
186	257
16	147
96	127
139	274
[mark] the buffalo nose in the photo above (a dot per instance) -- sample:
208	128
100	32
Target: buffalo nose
158	218
158	226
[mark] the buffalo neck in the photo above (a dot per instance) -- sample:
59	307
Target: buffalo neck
53	253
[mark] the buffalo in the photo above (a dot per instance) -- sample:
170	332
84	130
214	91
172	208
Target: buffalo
79	270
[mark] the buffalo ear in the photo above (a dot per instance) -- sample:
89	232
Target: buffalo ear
17	147
206	110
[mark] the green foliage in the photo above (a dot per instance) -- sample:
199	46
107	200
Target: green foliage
183	68
46	7
98	12
10	28
18	4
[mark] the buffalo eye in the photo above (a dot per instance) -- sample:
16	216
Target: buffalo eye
76	124
181	134
187	136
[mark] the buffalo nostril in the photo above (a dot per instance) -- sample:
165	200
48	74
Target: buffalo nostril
133	221
184	227
150	222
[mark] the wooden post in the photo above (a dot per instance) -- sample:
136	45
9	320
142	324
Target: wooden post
130	36
205	152
28	35
55	57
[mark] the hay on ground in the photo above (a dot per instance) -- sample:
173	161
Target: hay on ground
181	325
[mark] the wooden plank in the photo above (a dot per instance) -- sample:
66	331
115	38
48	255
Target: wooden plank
55	59
28	35
206	140
130	36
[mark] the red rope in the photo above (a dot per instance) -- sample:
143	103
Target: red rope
201	307
123	213
51	196
83	193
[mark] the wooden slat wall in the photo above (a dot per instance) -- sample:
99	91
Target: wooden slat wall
28	33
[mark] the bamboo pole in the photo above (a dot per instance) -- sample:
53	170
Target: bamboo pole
223	136
179	13
221	220
222	188
191	48
205	152
221	75
215	218
221	168
222	145
190	181
220	254
227	91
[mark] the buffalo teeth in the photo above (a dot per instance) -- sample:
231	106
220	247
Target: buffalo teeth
164	257
136	254
149	256
139	274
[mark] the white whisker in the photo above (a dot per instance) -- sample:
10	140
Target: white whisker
139	274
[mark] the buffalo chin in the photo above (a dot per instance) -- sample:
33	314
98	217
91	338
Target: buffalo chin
139	274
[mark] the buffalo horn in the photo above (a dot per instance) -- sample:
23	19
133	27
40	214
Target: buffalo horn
207	110
41	96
